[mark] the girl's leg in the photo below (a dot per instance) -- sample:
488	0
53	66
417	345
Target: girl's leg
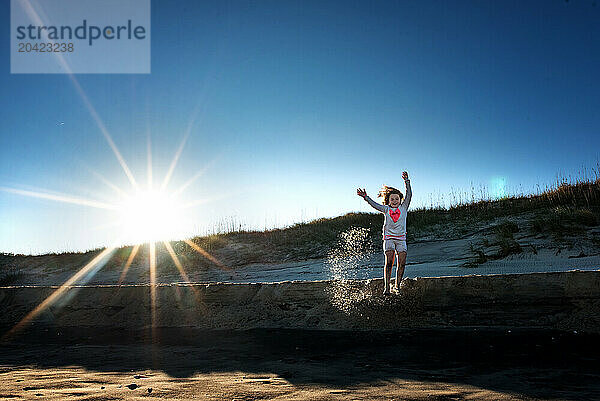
387	271
400	263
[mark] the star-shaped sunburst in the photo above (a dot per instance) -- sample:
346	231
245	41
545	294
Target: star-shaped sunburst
146	214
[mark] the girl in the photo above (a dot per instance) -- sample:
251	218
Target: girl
394	228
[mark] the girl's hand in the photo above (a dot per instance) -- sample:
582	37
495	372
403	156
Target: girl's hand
361	192
405	175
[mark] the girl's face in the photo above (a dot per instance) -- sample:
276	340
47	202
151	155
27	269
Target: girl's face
394	200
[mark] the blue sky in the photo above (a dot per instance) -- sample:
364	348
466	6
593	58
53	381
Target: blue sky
299	103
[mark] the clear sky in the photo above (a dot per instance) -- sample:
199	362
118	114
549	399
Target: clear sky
298	103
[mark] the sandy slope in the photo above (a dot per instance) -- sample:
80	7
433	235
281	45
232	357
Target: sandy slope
427	257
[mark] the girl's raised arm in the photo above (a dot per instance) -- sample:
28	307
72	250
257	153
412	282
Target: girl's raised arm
363	194
408	197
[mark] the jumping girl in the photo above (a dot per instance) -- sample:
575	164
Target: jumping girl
394	228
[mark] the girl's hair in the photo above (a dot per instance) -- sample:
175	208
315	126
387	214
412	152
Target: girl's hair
386	191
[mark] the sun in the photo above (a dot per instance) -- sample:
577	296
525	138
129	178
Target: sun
150	215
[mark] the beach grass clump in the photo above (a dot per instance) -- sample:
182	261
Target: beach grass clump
585	217
9	275
479	256
563	221
212	242
505	239
508	247
506	230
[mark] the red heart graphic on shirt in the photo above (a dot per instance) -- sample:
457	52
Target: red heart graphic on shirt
395	214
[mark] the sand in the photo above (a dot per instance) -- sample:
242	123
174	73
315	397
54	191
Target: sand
511	337
496	338
304	365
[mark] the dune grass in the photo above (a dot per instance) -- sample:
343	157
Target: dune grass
565	208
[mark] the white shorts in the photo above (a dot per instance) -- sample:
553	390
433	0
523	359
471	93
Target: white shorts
394	245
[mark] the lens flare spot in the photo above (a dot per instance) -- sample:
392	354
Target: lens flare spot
498	186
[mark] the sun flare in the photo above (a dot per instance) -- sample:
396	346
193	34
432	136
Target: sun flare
150	216
145	216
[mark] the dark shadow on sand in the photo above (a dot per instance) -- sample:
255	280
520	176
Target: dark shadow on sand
525	362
